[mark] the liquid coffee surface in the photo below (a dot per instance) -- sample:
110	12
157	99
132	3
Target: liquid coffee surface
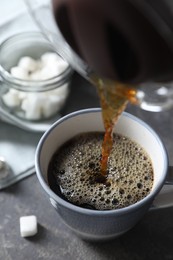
75	169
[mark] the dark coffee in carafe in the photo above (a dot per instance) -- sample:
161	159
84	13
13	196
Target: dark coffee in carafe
126	40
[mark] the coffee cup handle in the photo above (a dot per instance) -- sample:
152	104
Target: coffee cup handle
165	197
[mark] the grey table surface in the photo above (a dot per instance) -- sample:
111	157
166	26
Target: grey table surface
151	238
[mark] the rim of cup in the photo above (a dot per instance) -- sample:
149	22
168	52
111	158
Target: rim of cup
86	211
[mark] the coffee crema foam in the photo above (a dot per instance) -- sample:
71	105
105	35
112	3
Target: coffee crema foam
76	167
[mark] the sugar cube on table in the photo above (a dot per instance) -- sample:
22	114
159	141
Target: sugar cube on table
28	226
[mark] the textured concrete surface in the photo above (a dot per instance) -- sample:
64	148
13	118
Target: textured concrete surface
151	239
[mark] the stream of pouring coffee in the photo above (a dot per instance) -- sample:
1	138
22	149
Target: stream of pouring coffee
114	97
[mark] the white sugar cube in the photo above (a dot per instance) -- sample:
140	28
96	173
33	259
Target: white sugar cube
36	75
28	64
49	57
51	106
11	98
61	91
19	73
53	69
60	66
28	226
32	106
37	105
48	72
22	95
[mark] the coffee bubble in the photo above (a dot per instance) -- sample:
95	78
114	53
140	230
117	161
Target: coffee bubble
76	168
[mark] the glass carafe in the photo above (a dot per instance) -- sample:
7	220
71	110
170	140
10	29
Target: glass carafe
151	95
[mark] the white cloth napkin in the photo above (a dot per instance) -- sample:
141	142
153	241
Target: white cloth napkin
17	146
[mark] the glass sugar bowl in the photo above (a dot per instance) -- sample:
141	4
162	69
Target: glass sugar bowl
35	79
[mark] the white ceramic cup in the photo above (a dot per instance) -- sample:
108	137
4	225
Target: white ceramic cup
94	224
